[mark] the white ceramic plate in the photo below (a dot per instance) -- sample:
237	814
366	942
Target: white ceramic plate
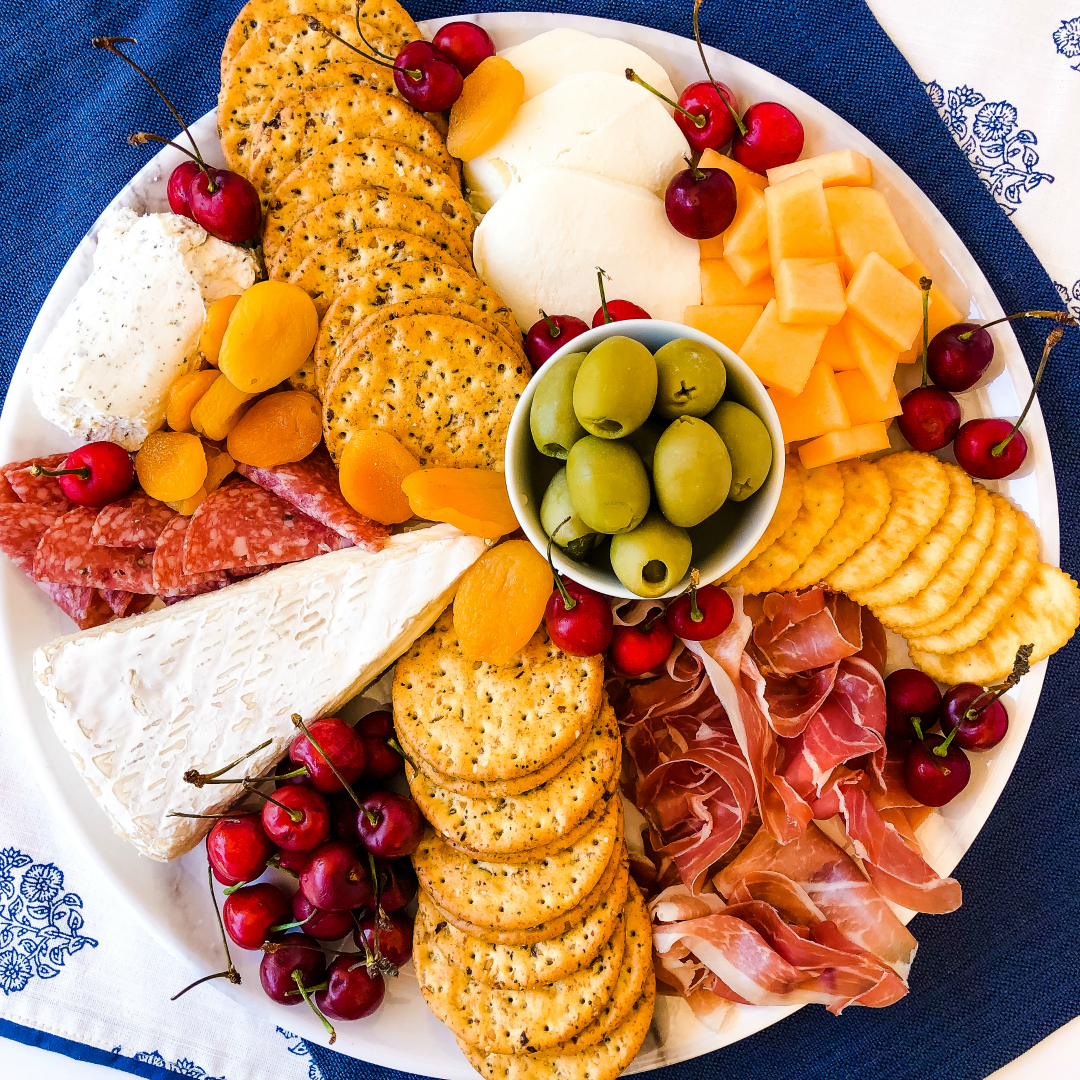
170	898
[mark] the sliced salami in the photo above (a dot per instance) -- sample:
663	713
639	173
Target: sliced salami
312	486
169	577
86	606
7	492
135	521
243	525
124	604
21	528
66	556
44	490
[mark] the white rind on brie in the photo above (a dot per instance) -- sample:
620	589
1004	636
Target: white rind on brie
140	701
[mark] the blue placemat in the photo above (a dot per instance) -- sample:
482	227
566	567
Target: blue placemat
991	979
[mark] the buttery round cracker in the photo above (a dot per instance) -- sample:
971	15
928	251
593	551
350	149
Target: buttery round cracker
515	1021
1045	615
522	966
822	500
489	721
945	588
984	615
365	162
919	568
786	509
920	492
520	896
441	386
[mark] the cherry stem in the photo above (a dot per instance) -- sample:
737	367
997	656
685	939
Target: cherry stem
695	612
916	723
553	329
695	168
372	817
1062	317
309	989
215	817
1021	666
230	971
1051	340
569	603
291	925
699	120
943	749
701	50
313	24
396	747
375	958
359	30
924	284
82	473
275	861
193	776
230	889
298	721
600	275
141	138
295	816
304	993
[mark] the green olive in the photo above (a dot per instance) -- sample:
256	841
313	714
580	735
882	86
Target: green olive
644	441
691	471
615	388
652	558
561	521
608	485
691	379
554	426
748	444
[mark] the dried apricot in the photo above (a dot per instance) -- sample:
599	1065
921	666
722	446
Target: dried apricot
373	466
218	466
276	429
489	101
501	600
171	465
217	318
475	500
184	394
187	507
270	333
217	412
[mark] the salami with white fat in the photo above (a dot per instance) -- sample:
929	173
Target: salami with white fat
68	556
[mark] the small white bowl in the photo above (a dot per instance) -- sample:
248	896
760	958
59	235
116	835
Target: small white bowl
721	541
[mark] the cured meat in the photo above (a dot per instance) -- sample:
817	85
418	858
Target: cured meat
44	490
7	492
123	604
875	647
21	528
168	565
243	525
312	486
86	606
135	521
66	556
796	632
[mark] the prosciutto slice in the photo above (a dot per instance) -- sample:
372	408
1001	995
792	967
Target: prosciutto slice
797	632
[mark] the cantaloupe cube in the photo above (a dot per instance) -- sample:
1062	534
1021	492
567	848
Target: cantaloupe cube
751	266
721	285
844	445
798	221
781	355
875	356
886	301
730	324
942	311
747	231
839	167
818	409
712	248
809	291
864	403
742	176
863	223
835	350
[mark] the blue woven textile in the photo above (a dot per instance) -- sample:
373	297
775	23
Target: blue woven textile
991	979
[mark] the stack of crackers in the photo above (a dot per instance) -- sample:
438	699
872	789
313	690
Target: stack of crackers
532	942
363	209
936	556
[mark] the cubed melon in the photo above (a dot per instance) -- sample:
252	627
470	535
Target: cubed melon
797	218
712	248
844	445
742	176
864	403
942	311
750	266
875	356
835	350
782	355
809	291
839	167
747	231
863	223
721	285
886	301
818	409
730	324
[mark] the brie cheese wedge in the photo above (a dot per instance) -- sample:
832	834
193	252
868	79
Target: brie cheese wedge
139	702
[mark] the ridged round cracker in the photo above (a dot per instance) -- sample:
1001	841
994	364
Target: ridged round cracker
515	1021
984	615
784	514
519	896
1044	615
489	721
366	162
822	501
524	966
946	586
866	502
304	377
440	385
920	492
919	568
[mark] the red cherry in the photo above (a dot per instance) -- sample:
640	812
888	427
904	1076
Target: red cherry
426	78
352	991
910	695
179	182
308	806
397	883
225	204
465	44
958	355
930	417
296	952
700	203
94	475
395	936
637	649
978	729
324	925
550	333
585	627
717	105
249	913
381	760
976	443
336	878
341	743
237	849
619	311
292	862
773	137
934	778
390	824
715	612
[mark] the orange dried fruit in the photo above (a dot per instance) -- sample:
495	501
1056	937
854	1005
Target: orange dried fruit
276	429
184	394
489	101
501	600
171	465
373	466
475	500
217	412
217	318
218	466
270	334
187	507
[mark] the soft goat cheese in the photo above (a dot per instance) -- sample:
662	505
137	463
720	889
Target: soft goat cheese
541	243
134	325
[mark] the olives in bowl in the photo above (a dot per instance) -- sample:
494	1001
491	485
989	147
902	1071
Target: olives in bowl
642	449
